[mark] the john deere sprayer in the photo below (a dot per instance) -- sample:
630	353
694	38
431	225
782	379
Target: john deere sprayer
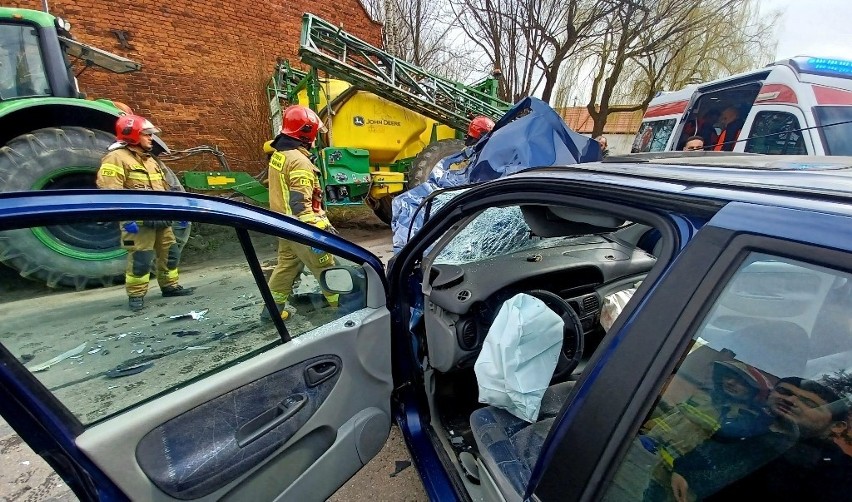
389	121
51	137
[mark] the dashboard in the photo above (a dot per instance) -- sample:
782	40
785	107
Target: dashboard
461	301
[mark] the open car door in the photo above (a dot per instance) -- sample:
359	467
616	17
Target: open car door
195	397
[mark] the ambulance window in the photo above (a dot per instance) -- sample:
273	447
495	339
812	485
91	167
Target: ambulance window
835	127
776	133
653	136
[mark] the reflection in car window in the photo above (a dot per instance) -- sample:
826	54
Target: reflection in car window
99	358
653	136
497	231
760	403
776	133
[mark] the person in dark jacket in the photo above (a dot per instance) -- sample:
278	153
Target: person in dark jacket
794	459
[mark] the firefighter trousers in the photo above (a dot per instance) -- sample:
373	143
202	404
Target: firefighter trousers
292	260
143	248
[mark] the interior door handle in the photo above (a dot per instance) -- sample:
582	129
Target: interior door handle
270	419
321	371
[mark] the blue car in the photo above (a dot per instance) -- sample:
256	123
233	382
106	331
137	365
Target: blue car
702	307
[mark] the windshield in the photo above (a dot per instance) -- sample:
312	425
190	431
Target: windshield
497	231
21	67
837	139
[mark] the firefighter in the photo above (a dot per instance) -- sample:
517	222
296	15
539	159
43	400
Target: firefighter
294	190
129	165
478	127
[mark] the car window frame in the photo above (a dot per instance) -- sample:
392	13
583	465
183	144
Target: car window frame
725	251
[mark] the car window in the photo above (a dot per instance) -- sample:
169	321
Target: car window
835	128
99	358
653	136
776	133
759	405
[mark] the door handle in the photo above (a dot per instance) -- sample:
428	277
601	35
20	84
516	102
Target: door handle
320	371
270	419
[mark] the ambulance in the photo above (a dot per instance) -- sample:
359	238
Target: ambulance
797	106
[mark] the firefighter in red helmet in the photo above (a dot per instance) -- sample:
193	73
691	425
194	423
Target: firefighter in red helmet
478	127
294	190
129	165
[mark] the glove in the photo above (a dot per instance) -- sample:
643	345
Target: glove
157	223
181	224
131	227
330	229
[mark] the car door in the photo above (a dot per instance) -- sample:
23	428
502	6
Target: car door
196	397
759	288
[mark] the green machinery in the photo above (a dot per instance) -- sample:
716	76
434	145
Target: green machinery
389	121
52	137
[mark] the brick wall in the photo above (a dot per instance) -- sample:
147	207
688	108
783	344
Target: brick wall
204	62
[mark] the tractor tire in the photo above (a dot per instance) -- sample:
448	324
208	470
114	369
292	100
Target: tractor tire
428	158
421	167
77	255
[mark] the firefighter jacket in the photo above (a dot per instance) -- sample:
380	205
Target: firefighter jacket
294	188
131	168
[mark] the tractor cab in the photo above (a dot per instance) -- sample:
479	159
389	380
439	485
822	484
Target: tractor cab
22	69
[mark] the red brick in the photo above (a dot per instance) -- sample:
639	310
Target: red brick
200	60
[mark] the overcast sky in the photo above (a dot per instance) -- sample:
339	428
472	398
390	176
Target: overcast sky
813	27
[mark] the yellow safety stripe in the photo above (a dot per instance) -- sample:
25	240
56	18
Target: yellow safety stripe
133	279
285	194
171	274
279	297
110	170
332	299
132	175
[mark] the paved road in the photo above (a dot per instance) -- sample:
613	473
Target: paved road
25	477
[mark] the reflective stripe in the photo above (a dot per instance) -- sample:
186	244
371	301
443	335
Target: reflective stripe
332	300
285	193
133	279
146	176
110	170
170	274
280	298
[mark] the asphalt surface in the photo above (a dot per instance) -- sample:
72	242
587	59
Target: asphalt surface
115	340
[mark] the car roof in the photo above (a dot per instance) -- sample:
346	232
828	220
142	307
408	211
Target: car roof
789	175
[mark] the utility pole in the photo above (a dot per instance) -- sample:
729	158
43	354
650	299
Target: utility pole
44	5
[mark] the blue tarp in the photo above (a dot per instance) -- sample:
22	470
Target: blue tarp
531	134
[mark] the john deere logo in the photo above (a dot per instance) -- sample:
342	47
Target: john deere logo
358	120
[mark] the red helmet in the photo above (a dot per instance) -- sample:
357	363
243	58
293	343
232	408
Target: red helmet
128	128
301	123
479	126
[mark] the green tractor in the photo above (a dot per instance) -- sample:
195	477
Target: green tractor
51	137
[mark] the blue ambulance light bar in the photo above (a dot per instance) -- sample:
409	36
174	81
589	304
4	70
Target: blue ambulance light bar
828	67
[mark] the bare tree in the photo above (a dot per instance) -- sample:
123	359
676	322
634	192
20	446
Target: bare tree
649	44
422	33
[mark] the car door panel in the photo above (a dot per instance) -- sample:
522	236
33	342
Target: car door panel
234	409
197	426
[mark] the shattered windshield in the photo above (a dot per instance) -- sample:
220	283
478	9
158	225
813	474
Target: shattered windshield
494	232
21	67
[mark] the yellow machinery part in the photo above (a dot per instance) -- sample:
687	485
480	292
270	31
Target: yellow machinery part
386	183
388	131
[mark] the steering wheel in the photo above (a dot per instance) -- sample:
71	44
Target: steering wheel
572	332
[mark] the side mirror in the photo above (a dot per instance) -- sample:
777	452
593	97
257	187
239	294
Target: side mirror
337	280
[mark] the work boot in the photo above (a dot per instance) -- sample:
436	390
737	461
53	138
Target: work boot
177	290
136	303
265	316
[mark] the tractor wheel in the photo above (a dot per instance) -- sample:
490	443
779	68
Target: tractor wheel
78	255
383	209
421	167
429	157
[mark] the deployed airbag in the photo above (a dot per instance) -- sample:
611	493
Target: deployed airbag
518	356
